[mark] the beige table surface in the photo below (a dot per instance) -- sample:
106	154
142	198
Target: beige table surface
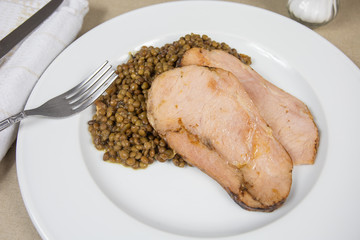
343	32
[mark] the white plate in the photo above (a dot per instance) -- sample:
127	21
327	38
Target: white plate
70	193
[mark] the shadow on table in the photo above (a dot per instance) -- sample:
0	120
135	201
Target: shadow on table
7	163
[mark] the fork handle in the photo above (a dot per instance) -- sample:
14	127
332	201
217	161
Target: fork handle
11	120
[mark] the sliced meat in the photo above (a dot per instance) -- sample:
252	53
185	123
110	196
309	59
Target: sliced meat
207	117
290	119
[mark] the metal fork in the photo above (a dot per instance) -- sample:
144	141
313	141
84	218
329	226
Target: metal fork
72	101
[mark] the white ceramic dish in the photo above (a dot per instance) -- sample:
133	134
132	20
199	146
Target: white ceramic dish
70	193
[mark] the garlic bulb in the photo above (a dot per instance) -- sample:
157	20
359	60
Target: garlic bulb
313	12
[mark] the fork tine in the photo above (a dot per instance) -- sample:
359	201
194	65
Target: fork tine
88	86
95	94
86	89
83	94
82	84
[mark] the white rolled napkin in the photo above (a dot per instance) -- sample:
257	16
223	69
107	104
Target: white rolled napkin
21	68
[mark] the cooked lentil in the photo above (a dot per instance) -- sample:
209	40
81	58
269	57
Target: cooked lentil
120	126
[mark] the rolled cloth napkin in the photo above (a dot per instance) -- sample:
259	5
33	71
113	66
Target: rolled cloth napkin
21	68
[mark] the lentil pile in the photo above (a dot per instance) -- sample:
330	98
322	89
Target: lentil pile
120	126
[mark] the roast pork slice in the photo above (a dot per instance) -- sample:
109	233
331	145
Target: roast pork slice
207	117
289	118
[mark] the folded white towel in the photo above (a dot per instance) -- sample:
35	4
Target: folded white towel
21	68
